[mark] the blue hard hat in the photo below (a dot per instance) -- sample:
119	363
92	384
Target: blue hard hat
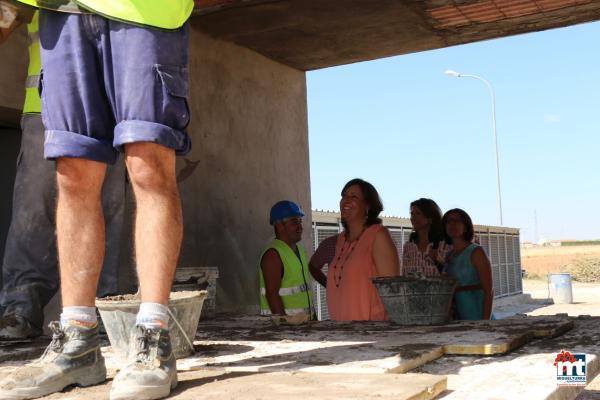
284	209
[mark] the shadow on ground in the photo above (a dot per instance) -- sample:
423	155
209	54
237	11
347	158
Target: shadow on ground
589	395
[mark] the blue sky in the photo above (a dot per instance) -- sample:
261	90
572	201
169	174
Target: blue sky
413	131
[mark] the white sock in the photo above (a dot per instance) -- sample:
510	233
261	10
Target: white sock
79	315
153	315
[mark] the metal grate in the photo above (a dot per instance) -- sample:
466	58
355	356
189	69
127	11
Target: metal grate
320	298
510	252
324	233
496	271
484	241
510	265
517	252
502	249
396	234
405	236
501	264
504	253
319	292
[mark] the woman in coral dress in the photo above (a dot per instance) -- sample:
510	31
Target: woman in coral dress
364	250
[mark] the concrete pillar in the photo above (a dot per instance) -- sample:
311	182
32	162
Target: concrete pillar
250	149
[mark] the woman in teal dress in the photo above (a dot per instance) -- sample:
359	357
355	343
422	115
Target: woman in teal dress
469	264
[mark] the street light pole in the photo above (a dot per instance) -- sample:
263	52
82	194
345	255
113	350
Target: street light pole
489	86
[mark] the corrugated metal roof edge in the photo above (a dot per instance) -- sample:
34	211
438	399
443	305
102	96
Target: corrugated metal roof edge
328	217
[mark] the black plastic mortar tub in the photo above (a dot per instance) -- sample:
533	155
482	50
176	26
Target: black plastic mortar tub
416	301
118	315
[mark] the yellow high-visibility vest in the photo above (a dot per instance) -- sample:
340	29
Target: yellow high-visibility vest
294	291
164	14
32	103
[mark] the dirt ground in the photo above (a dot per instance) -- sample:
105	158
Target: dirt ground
232	385
586	301
539	261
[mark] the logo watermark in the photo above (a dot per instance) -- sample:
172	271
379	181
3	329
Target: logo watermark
571	369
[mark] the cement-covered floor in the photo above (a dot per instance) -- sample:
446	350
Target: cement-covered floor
249	358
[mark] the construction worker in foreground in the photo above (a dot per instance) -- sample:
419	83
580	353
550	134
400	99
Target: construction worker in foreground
30	266
283	270
115	79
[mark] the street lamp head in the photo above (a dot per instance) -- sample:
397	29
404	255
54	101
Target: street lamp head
453	73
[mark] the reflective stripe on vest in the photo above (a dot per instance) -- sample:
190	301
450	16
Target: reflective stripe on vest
32	81
288	291
294	291
33	103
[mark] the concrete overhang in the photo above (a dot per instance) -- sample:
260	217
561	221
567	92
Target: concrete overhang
313	34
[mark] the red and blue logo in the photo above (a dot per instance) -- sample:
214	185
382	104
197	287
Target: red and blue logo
570	369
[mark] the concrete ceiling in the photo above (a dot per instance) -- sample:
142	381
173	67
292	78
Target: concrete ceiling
312	34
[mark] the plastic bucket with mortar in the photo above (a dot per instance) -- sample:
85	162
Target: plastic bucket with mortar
416	301
118	316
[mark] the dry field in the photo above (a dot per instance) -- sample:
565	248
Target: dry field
539	261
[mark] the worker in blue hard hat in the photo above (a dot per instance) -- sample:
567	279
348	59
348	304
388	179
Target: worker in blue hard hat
283	266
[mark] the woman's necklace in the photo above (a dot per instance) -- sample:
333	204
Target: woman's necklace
345	253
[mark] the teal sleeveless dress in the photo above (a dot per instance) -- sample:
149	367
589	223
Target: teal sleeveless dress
469	304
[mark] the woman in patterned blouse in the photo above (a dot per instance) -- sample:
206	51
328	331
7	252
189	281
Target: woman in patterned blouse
425	250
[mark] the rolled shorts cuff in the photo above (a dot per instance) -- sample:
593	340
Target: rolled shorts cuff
69	144
134	131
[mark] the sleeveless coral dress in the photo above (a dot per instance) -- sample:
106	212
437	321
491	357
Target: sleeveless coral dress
350	294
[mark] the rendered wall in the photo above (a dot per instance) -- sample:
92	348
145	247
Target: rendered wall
250	149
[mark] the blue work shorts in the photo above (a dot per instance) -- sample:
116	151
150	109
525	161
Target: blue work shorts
107	83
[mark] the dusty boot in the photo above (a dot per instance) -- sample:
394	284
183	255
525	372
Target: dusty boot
16	327
72	358
153	372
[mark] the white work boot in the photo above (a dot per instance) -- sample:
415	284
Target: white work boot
153	372
72	358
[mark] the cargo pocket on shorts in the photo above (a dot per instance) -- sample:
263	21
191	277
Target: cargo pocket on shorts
175	91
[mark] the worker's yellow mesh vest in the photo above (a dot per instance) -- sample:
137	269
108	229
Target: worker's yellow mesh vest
32	97
165	14
295	285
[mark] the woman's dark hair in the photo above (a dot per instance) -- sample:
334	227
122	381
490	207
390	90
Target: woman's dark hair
466	220
371	198
430	210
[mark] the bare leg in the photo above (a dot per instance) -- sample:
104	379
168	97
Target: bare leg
79	229
158	222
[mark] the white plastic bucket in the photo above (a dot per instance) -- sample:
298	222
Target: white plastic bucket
561	289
